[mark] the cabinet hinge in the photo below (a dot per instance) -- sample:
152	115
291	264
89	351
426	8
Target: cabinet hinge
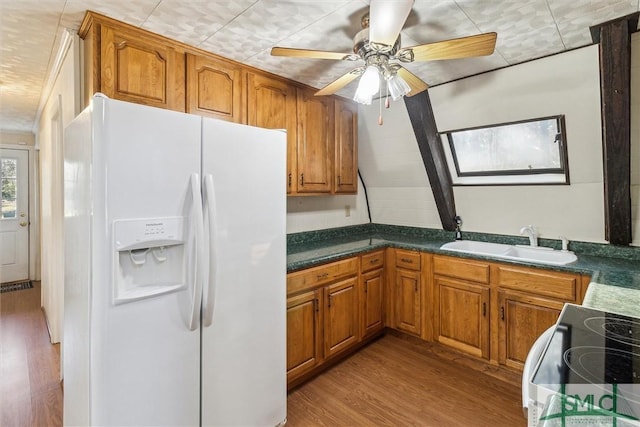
502	313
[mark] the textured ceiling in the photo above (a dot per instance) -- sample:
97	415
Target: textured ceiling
245	30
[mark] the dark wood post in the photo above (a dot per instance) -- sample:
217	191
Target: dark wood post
614	38
424	127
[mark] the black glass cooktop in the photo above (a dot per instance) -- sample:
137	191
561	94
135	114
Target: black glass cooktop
591	347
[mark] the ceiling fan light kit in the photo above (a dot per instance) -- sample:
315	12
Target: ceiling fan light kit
378	45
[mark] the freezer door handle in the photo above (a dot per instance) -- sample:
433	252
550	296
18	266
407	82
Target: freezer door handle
210	224
197	223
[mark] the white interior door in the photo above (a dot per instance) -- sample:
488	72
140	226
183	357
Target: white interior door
14	215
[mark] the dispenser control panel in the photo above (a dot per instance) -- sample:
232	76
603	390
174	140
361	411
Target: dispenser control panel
133	234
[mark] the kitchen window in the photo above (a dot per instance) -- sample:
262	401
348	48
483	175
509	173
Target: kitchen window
527	152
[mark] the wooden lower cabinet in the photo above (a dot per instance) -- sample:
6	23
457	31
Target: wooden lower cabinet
461	315
331	310
304	333
371	302
408	305
523	318
340	316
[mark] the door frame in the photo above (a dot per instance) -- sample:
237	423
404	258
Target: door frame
34	211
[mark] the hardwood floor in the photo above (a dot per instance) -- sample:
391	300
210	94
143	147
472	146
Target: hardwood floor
394	381
30	391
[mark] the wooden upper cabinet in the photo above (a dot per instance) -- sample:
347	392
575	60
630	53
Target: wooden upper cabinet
315	143
346	147
138	69
271	104
214	88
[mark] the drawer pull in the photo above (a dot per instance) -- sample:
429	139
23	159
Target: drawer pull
407	260
323	276
374	261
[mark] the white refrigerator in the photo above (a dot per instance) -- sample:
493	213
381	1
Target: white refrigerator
175	270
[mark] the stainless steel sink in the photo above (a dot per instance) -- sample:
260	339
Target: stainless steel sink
535	254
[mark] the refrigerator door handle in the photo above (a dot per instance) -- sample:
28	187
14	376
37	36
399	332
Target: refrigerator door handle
198	265
210	218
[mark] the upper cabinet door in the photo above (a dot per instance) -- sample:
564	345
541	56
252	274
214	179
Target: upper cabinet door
346	160
214	88
315	143
271	104
141	70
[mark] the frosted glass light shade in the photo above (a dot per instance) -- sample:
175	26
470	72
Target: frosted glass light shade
397	87
368	85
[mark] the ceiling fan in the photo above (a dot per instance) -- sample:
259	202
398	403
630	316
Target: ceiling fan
378	45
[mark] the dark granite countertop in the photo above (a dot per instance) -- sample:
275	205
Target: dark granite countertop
610	267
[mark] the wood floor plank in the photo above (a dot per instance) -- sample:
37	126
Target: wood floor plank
393	382
30	390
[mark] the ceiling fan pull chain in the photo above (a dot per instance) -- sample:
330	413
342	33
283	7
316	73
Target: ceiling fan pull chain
380	117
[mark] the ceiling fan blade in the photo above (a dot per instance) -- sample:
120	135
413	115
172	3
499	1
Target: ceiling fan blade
340	82
386	19
414	82
308	53
465	47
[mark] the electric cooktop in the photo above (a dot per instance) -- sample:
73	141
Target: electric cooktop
590	346
589	373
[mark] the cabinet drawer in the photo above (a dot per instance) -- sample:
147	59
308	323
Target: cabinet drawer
372	261
461	269
540	282
408	259
321	275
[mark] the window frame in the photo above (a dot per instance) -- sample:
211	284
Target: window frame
546	176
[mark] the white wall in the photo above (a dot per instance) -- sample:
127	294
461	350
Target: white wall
60	108
306	213
635	138
392	169
562	84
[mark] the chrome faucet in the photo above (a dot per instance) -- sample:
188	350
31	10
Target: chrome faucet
458	222
532	233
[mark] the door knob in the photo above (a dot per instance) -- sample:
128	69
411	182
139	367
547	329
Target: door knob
23	223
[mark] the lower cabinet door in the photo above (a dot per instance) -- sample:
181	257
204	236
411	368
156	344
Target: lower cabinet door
304	333
341	316
372	287
407	303
461	315
522	319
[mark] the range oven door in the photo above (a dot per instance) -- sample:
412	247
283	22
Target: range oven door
530	364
